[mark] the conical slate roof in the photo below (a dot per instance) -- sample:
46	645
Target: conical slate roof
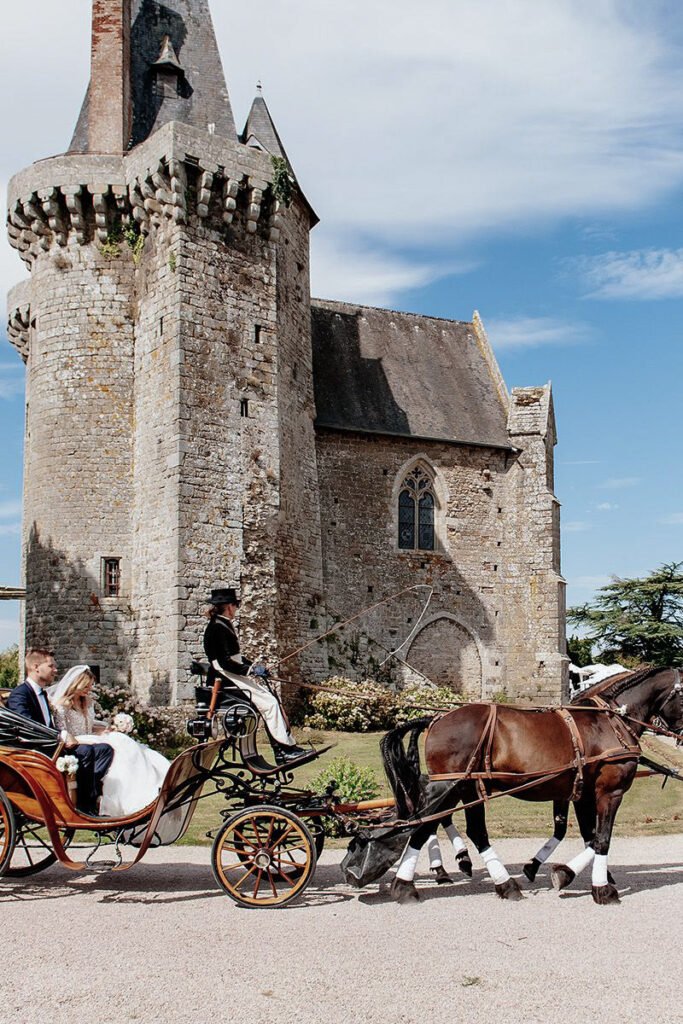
191	51
260	129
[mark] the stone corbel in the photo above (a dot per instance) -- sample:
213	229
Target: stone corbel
275	221
230	192
163	190
100	205
18	329
254	202
137	203
20	234
204	192
34	214
49	199
72	197
152	206
178	186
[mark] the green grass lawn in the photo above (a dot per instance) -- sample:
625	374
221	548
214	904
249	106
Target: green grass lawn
646	810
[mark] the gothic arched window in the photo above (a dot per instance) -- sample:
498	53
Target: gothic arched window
416	504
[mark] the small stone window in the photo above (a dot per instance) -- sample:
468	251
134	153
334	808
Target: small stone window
111	577
244	408
416	504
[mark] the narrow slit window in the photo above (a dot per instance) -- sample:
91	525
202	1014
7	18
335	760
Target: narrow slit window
258	333
111	577
244	407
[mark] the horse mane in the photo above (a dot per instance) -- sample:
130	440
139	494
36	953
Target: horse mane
614	686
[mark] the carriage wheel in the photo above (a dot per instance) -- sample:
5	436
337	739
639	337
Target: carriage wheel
8	832
32	848
263	857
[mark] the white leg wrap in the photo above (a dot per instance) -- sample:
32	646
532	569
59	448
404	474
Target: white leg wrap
582	860
434	851
456	839
546	850
495	866
600	869
406	869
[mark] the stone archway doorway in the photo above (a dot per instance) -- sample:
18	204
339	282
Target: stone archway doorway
448	654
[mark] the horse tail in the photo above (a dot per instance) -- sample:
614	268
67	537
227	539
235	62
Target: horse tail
403	769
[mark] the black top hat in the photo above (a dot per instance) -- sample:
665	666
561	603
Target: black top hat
224	595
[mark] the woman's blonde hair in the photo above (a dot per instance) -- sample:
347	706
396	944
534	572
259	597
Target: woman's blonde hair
75	691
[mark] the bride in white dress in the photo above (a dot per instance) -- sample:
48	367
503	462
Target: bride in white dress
136	773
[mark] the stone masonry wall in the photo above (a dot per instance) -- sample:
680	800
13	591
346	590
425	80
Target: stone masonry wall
78	470
359	482
495	600
534	595
299	573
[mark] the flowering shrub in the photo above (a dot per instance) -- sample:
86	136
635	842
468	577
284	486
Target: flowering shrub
367	706
154	726
364	706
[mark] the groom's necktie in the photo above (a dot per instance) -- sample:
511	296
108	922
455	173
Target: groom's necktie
45	707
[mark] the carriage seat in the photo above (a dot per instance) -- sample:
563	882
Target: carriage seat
203	692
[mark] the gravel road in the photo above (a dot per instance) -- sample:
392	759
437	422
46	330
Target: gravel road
163	943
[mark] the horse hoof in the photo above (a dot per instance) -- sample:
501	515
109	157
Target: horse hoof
404	892
562	876
441	876
604	894
509	890
531	869
465	864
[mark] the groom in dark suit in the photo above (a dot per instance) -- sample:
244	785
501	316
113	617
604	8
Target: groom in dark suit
30	700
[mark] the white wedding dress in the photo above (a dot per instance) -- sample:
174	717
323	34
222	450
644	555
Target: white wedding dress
136	773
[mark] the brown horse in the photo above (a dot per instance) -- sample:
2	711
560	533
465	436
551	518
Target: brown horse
605	692
585	755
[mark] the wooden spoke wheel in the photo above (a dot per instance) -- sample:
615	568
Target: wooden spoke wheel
263	857
32	849
8	832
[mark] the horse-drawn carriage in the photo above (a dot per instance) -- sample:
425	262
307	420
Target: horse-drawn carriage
264	852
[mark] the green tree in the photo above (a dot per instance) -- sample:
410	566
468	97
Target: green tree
637	620
9	667
580	650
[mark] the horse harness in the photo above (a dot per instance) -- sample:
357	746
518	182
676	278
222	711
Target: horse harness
480	767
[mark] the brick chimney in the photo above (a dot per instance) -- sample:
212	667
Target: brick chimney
110	112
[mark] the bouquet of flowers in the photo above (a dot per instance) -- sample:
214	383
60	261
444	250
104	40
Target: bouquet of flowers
67	764
123	722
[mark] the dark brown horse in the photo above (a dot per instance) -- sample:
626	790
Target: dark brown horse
605	692
585	755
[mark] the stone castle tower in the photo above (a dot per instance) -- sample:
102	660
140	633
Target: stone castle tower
191	420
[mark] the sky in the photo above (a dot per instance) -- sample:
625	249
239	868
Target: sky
518	157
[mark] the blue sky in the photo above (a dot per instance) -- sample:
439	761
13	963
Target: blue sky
518	157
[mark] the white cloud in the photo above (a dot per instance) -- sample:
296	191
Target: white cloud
10	529
643	274
353	272
606	506
675	519
529	332
576	526
617	483
414	124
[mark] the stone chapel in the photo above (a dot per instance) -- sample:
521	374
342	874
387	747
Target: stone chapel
195	419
